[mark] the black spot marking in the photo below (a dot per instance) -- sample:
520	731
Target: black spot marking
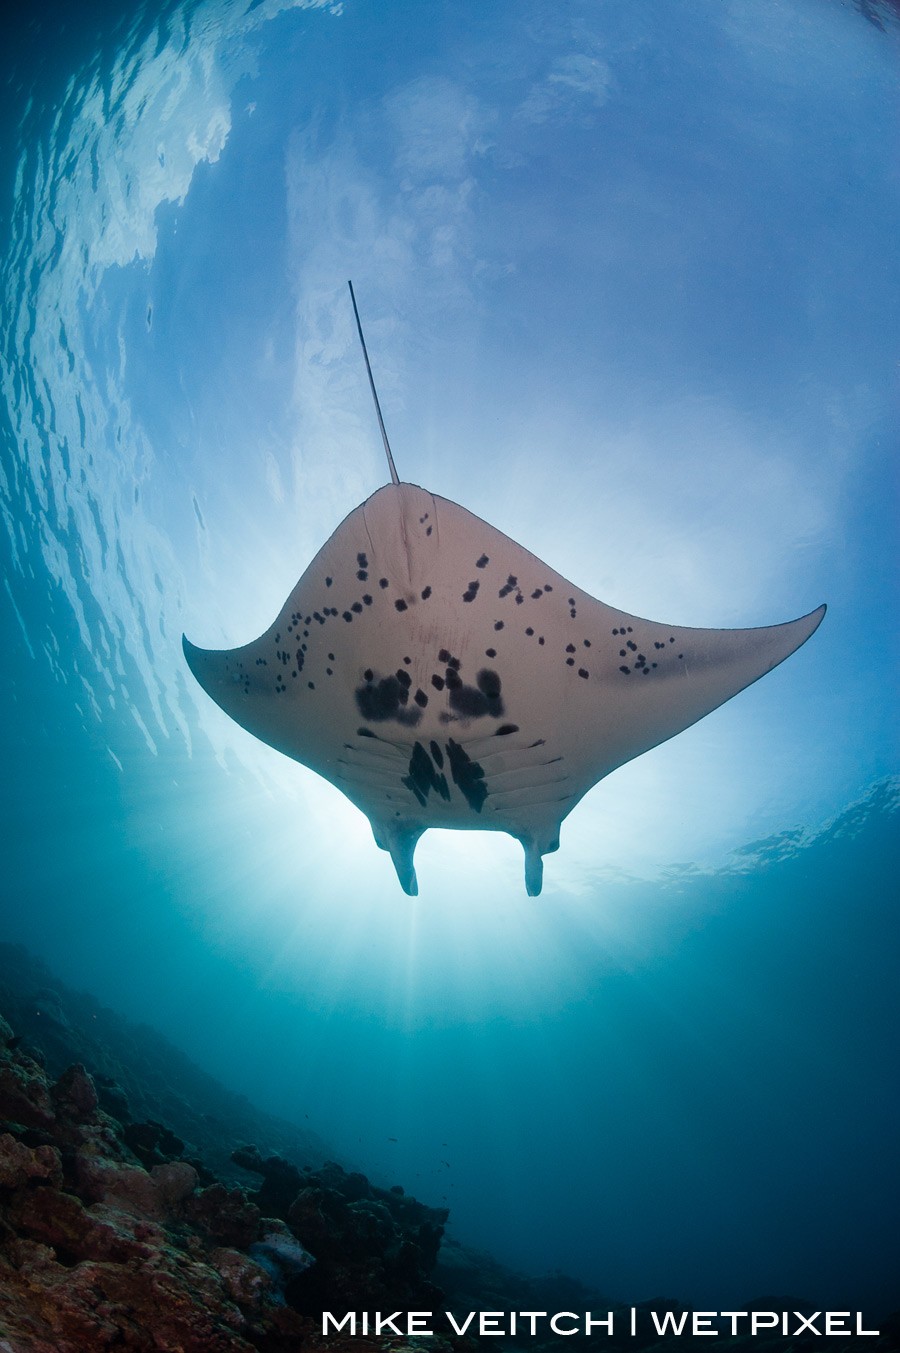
400	604
362	576
444	655
311	685
505	729
583	673
331	657
479	701
570	648
471	592
570	662
407	661
437	755
541	640
482	562
426	593
420	698
369	674
362	561
571	601
626	670
356	608
547	587
437	682
382	582
489	683
681	655
468	776
328	582
498	624
529	631
422	777
404	678
490	652
672	639
623	653
367	600
632	645
348	617
378	701
536	594
454	663
428	531
328	672
453	679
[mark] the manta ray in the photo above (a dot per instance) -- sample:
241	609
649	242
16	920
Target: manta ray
440	675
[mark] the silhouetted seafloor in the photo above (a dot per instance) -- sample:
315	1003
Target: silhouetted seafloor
145	1207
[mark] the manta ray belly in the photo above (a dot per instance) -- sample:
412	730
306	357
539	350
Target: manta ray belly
439	674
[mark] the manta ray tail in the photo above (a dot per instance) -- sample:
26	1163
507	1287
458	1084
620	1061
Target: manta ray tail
395	479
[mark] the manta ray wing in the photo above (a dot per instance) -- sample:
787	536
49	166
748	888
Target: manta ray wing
441	675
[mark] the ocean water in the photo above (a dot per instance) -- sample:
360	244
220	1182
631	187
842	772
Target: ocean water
630	284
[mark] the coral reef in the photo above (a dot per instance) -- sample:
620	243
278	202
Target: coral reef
103	1248
140	1077
167	1233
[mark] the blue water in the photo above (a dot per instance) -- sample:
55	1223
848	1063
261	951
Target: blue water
630	281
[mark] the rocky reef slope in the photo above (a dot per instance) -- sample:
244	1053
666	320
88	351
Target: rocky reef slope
135	1215
116	1233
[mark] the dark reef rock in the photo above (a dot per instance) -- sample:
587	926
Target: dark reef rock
74	1095
225	1215
374	1247
282	1181
152	1143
